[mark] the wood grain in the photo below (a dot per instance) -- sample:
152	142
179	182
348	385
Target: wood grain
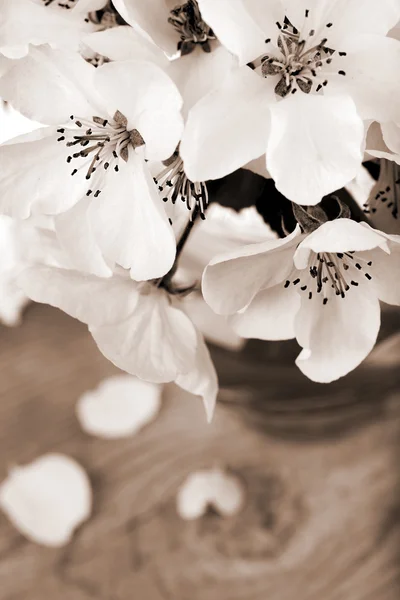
322	514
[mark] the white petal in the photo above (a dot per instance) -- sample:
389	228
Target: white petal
124	43
24	22
270	315
47	499
75	234
232	280
372	66
202	379
151	17
349	18
340	235
337	336
35	177
156	343
242	25
130	223
315	145
50	85
228	127
119	407
217	488
385	271
197	73
88	298
135	88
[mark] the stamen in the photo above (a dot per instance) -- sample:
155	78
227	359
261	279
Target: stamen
103	143
301	60
193	31
173	184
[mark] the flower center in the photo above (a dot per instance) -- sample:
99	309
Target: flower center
301	59
187	21
386	192
174	185
331	274
103	143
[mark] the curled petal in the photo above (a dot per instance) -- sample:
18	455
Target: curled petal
340	235
231	280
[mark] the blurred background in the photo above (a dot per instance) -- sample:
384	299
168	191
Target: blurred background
317	465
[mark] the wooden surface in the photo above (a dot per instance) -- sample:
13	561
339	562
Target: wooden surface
321	520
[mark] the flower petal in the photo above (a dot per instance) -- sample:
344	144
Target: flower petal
202	380
35	177
47	499
156	343
151	17
24	22
49	85
119	407
231	280
197	73
135	89
340	235
315	146
242	25
337	336
130	223
124	43
75	234
228	127
372	64
385	269
270	315
90	299
349	18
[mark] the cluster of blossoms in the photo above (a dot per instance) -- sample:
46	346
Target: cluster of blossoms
144	103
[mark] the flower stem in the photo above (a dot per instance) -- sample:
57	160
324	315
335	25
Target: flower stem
179	247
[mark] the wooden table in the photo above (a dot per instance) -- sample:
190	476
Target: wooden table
321	520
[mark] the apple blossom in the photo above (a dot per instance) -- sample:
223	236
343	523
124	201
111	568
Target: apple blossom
323	288
140	327
109	122
317	69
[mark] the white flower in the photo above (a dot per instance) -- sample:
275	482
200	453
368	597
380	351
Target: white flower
119	407
319	69
199	61
137	326
60	23
214	488
12	299
322	289
91	169
383	204
47	499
